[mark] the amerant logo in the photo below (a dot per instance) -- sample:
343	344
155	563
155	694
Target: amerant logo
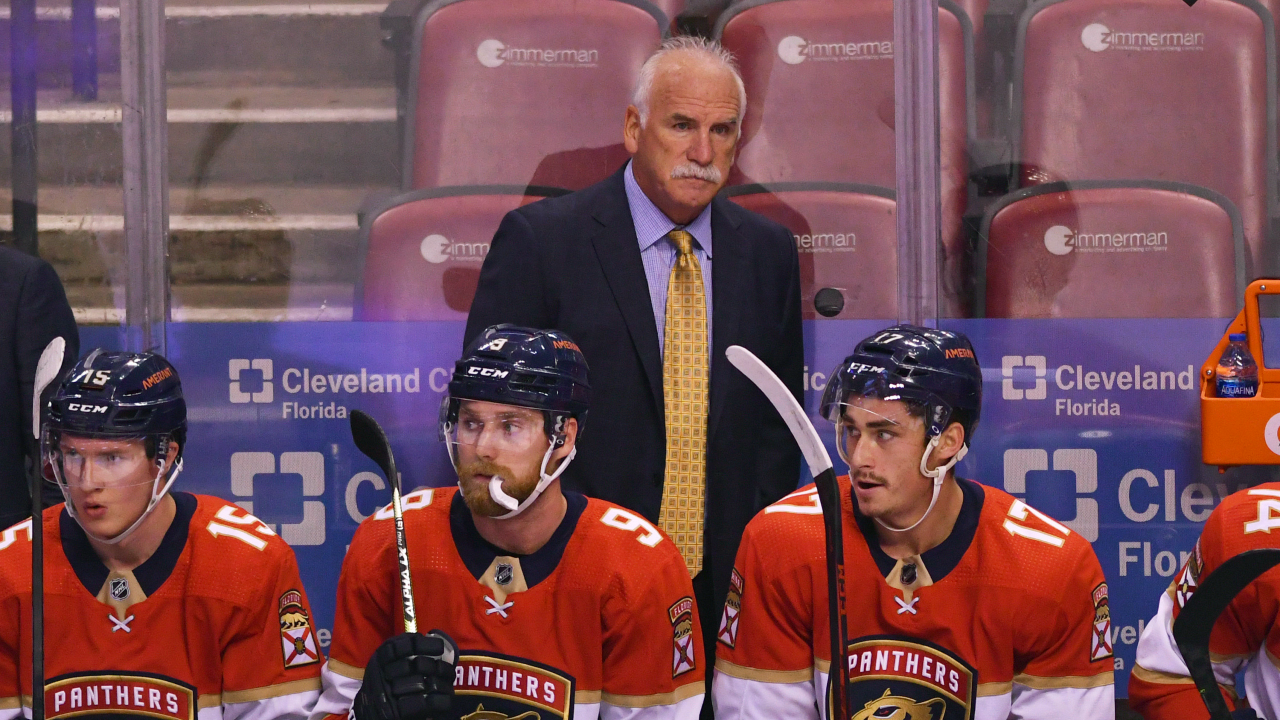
1062	240
1099	38
794	50
437	249
495	53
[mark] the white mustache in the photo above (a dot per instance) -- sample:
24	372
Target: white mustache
710	173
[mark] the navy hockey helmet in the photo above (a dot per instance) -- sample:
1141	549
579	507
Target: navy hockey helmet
120	394
511	365
936	370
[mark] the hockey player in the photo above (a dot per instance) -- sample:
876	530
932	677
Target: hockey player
156	603
1246	637
963	602
558	604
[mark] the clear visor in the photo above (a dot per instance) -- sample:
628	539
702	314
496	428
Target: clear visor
88	463
490	428
870	419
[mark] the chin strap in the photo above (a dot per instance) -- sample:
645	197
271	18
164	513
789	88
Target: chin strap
938	474
510	503
157	493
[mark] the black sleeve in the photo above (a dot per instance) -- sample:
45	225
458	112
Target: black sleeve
43	314
779	454
512	287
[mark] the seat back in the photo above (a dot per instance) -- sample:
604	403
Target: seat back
499	85
422	251
846	237
1122	89
1111	250
820	94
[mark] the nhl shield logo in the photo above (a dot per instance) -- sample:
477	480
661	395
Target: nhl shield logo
908	679
504	574
119	588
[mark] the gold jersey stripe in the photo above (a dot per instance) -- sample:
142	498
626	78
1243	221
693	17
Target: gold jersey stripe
587	697
271	691
345	670
13	703
1160	677
684	692
1102	679
770	676
994	688
204	702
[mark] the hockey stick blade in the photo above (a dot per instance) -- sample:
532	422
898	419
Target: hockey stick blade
371	440
824	478
1195	623
48	368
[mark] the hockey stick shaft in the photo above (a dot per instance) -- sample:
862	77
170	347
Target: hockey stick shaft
47	369
828	488
371	440
1194	625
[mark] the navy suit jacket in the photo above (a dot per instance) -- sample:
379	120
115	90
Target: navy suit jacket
573	263
33	310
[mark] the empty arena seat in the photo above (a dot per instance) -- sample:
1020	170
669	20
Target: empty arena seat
820	95
846	235
1111	249
1122	89
498	85
422	251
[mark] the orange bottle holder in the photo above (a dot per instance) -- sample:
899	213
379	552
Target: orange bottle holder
1242	431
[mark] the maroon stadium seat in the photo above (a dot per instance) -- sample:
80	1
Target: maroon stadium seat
1122	89
820	94
846	235
422	251
498	85
1110	250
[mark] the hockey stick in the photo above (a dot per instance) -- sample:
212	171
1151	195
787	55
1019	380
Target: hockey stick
372	441
47	369
1195	623
824	477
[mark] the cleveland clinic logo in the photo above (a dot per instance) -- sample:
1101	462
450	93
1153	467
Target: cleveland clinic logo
495	53
1098	38
246	466
1082	463
438	249
1062	240
794	50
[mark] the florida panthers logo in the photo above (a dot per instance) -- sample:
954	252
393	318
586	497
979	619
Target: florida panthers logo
893	707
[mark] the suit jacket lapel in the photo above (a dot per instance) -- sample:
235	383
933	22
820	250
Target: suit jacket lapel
730	274
618	251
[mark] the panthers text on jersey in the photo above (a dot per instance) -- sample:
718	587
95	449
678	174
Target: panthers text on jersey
1008	617
1245	638
599	622
214	625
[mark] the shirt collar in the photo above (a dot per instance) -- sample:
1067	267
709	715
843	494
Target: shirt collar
653	225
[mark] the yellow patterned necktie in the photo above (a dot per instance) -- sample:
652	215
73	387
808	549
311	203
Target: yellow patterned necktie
684	396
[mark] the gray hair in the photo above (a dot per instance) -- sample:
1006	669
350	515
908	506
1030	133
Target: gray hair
707	49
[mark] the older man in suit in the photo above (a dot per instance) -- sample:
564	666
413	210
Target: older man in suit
655	276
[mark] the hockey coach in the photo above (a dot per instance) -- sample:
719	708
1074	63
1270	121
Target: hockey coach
655	276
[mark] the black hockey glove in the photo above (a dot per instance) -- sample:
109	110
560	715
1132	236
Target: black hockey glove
410	677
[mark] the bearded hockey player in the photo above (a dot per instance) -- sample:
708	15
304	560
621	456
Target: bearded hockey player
963	602
156	603
1246	638
558	604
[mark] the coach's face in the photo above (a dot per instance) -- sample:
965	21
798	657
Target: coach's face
682	152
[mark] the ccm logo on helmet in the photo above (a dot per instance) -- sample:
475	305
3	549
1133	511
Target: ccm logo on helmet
488	372
78	407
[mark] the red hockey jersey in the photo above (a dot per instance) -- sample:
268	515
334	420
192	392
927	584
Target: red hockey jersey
601	617
1246	637
1008	617
214	625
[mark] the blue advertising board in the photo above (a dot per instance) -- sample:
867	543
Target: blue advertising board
1095	422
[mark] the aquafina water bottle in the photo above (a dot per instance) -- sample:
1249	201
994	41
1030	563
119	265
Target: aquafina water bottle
1237	372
